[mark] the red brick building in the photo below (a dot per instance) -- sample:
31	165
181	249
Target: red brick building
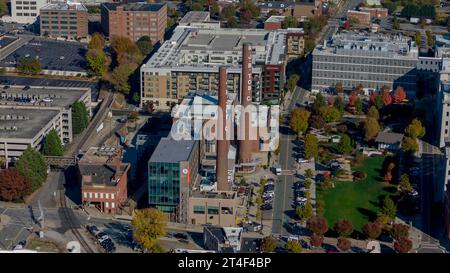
134	20
363	18
375	12
104	183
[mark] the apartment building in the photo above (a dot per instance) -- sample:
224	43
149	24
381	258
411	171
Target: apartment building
375	12
189	62
29	113
25	12
134	20
64	19
373	60
104	180
172	170
361	18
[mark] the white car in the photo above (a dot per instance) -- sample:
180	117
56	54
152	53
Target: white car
301	199
302	160
47	100
414	193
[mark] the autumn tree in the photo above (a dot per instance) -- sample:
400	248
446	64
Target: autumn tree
330	113
13	186
358	106
97	42
228	12
343	227
373	113
293	246
399	95
148	225
291	83
232	23
299	120
268	244
309	173
317	224
120	78
97	62
415	129
410	145
316	122
399	231
311	146
344	244
371	128
403	245
339	88
372	230
29	65
316	240
126	51
52	144
387	98
405	185
31	165
245	16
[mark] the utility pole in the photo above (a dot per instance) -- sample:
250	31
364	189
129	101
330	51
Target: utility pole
41	217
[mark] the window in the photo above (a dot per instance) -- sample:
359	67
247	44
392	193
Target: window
112	195
101	195
107	195
106	204
95	195
213	210
90	195
85	194
112	205
199	209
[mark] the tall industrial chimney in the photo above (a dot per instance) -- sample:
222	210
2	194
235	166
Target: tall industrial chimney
245	144
222	141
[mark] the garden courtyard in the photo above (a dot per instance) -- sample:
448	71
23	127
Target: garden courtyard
357	201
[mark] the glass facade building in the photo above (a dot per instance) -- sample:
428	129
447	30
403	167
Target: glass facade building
164	185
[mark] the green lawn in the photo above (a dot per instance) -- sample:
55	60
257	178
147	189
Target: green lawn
356	201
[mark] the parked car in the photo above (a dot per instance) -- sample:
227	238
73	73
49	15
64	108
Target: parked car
181	236
101	235
20	245
300	199
92	229
302	160
266	207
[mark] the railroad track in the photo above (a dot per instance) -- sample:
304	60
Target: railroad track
68	215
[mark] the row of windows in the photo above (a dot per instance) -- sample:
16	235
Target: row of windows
364	60
25	3
212	210
61	27
98	195
26	14
26	8
361	76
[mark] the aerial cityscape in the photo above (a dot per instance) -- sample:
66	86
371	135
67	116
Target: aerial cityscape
224	126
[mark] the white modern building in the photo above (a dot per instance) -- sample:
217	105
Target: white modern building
25	11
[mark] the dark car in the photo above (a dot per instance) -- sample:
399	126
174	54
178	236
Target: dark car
100	234
266	207
92	229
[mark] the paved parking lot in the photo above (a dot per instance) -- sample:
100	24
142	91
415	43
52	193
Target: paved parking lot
54	55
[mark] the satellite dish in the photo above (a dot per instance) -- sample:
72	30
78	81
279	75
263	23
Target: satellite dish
73	247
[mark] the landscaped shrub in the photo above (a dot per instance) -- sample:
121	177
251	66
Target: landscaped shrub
359	175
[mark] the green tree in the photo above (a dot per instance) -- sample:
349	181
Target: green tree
289	22
197	7
345	146
293	246
371	128
3	8
404	184
389	208
268	244
145	45
97	62
358	106
148	225
418	38
29	65
214	10
373	113
415	129
430	39
232	23
228	12
378	102
410	145
97	42
395	23
311	146
305	212
319	102
292	82
32	166
330	113
120	77
80	117
339	104
52	144
299	120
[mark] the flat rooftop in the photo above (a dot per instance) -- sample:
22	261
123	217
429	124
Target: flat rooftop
213	43
275	19
53	55
214	195
369	45
173	151
40	96
194	17
45	82
101	175
138	6
24	123
72	6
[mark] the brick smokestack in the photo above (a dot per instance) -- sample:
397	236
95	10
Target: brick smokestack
222	142
245	144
